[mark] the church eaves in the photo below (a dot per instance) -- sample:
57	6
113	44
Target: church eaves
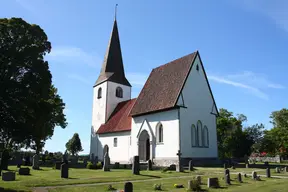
112	67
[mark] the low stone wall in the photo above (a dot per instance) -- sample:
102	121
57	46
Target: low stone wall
275	159
165	162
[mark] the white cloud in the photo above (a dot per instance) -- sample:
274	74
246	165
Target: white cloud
274	10
74	55
253	90
254	83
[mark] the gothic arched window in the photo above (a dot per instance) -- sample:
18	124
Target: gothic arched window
119	92
99	95
193	136
205	137
159	133
199	132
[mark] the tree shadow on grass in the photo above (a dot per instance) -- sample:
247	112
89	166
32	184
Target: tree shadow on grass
153	176
10	190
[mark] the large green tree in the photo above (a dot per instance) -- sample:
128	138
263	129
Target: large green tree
26	90
74	145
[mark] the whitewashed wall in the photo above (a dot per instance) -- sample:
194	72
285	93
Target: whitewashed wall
199	103
169	120
121	153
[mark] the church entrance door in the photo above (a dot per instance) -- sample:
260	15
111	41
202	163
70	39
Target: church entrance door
144	146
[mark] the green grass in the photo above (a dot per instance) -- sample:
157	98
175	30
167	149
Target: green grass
51	177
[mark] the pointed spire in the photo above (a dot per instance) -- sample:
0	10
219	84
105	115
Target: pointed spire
112	67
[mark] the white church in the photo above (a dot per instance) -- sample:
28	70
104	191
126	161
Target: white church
174	111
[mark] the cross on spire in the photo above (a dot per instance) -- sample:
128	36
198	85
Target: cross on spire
115	16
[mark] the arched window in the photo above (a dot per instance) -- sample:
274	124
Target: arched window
99	95
193	136
199	132
115	142
205	137
159	133
119	92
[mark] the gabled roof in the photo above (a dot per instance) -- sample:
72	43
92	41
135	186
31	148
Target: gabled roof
119	119
163	86
112	67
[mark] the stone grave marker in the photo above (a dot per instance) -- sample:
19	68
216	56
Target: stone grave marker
277	170
227	179
128	187
285	169
190	165
24	171
239	178
198	179
254	175
179	167
213	183
149	165
9	176
35	162
136	166
190	185
64	171
4	160
227	172
268	172
106	162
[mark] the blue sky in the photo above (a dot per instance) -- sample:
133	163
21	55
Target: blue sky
243	45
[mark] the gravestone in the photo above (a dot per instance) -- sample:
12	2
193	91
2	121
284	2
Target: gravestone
24	171
4	160
239	178
190	165
149	165
9	176
136	166
254	175
213	183
64	171
190	185
35	162
179	167
285	169
227	179
227	172
117	165
106	162
198	179
128	187
268	172
277	170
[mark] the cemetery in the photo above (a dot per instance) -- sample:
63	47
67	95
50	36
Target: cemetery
103	176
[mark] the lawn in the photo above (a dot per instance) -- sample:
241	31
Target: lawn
51	177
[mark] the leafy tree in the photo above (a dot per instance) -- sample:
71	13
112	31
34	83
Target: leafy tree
255	134
30	107
74	145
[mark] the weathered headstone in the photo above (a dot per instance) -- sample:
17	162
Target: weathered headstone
24	171
268	172
149	165
128	187
198	179
179	167
239	178
227	172
190	185
106	162
285	169
64	171
227	179
4	160
213	182
190	165
254	175
35	162
8	176
136	166
277	170
117	165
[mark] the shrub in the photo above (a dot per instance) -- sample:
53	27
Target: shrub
157	187
99	165
90	166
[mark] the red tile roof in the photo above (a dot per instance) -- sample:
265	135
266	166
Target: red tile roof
119	119
163	86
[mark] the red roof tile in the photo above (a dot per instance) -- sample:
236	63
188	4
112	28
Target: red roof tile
119	119
163	86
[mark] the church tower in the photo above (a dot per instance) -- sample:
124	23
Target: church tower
110	88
